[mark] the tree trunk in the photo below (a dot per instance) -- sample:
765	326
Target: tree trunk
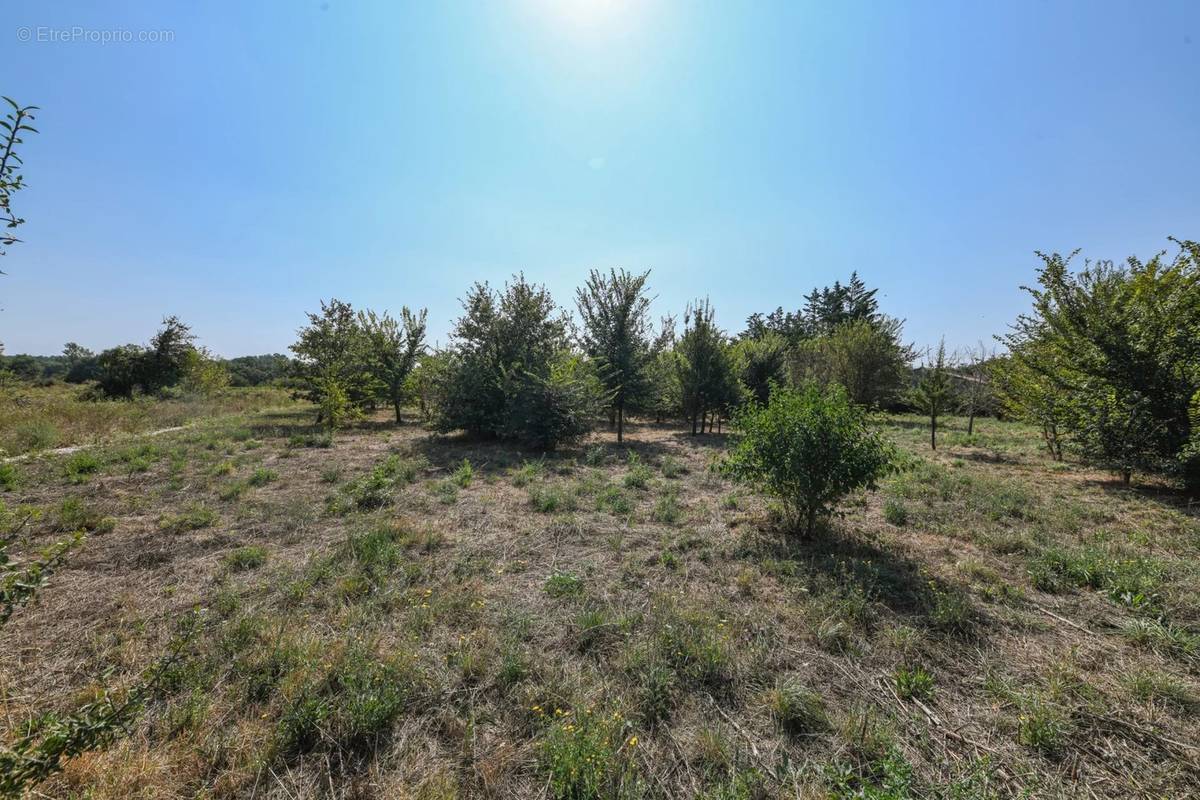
932	432
811	522
620	423
396	403
971	422
1126	476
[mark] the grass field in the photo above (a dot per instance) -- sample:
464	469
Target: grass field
392	614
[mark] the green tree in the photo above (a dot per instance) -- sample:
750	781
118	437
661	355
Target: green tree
934	393
763	362
809	447
392	348
705	368
331	356
507	358
617	336
1121	346
863	355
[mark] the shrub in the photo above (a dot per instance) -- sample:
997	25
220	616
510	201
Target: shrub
809	447
193	518
464	474
667	510
81	466
262	476
507	374
548	499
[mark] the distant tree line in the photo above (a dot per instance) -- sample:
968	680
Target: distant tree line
517	368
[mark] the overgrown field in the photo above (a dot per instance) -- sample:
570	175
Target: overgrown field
386	613
39	418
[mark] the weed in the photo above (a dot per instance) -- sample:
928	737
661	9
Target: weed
589	754
549	499
667	510
246	558
194	517
913	683
463	475
895	512
527	473
331	474
563	584
73	515
638	476
672	467
262	476
1043	727
8	476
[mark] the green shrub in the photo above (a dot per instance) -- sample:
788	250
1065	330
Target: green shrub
809	447
73	515
639	475
81	466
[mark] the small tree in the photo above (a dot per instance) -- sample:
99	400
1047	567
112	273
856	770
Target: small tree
763	362
705	367
392	349
331	351
977	393
809	447
617	336
934	392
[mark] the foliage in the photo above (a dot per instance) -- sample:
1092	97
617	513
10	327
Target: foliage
617	336
705	368
809	447
508	373
763	362
392	350
934	393
258	370
15	123
824	311
863	355
1119	348
331	366
170	356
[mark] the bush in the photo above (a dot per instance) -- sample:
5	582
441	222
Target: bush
508	374
809	447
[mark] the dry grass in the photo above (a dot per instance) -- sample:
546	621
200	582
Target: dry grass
40	418
379	623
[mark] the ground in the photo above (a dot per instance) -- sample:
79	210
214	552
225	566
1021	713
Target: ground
388	613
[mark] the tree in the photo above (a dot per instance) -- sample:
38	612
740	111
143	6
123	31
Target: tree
809	447
977	394
331	357
934	392
393	348
15	123
1028	395
763	362
704	366
863	355
1121	347
506	373
615	311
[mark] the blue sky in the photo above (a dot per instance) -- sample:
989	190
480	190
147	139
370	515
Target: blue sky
276	153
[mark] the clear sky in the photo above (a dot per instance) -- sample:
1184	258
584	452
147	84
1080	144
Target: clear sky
271	154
